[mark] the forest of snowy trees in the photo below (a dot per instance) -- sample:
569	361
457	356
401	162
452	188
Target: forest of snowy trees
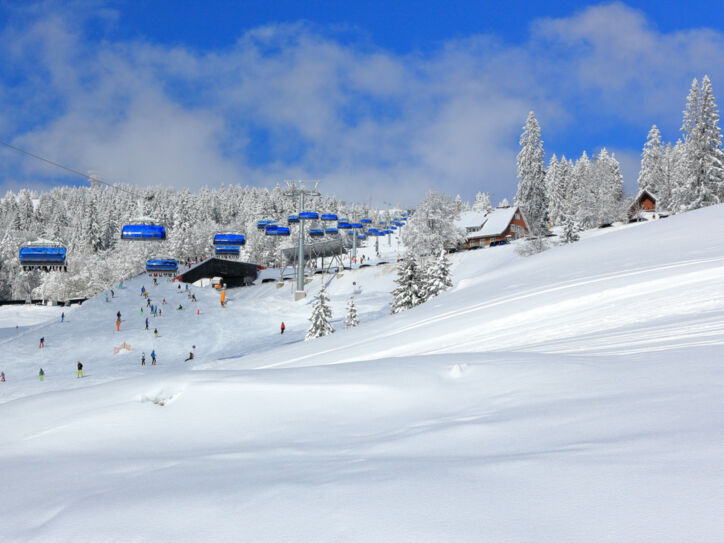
577	195
88	222
587	193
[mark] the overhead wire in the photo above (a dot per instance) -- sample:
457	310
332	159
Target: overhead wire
87	177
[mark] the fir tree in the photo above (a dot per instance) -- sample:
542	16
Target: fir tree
408	293
351	320
321	315
607	184
703	161
531	195
432	226
570	231
460	206
555	189
482	203
437	277
653	164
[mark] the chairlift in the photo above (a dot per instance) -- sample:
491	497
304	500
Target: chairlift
143	229
293	219
43	255
227	251
316	232
344	225
331	231
329	217
229	238
162	266
309	215
261	225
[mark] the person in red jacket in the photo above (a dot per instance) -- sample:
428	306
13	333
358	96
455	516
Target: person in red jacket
283	327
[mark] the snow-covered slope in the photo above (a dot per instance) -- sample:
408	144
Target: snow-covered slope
570	396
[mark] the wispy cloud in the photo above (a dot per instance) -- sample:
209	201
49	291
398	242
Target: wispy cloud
289	100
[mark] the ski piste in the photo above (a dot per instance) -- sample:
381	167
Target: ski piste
544	385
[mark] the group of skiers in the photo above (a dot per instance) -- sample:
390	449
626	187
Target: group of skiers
153	358
41	373
155	310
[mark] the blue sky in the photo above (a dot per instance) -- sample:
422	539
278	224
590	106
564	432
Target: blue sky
376	99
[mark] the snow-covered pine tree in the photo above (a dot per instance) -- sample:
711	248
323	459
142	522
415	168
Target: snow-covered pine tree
531	195
653	164
460	206
432	226
321	315
570	231
583	198
504	203
711	141
409	289
555	190
482	203
703	159
608	185
92	228
437	277
351	320
677	172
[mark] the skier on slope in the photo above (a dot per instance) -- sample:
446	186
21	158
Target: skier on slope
153	358
146	323
41	374
62	317
80	369
42	342
118	324
143	359
2	376
283	327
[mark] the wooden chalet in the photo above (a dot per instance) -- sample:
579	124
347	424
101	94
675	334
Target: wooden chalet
645	202
501	223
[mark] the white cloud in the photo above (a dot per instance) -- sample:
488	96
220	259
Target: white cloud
287	101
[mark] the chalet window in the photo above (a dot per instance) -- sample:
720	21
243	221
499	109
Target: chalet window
517	216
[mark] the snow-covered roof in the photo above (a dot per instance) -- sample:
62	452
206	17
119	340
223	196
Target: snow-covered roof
471	219
647	191
497	220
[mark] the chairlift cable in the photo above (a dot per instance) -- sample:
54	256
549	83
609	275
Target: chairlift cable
66	168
